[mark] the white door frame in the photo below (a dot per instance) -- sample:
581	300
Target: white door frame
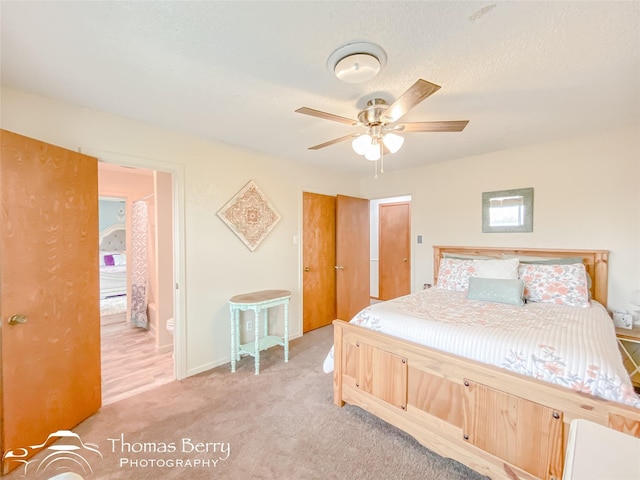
179	261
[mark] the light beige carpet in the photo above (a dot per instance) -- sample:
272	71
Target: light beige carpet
281	424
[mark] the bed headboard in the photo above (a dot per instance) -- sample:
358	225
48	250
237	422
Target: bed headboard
114	238
596	262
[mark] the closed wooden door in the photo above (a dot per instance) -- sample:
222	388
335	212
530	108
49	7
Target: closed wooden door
49	305
319	260
352	255
394	242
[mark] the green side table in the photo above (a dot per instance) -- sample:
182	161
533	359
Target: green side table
259	302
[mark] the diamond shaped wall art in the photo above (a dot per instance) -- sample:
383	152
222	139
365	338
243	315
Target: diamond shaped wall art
249	215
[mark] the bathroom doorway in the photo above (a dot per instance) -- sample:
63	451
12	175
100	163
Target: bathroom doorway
138	358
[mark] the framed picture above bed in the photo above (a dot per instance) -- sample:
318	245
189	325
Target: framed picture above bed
507	211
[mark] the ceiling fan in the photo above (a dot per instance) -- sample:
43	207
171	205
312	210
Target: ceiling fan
381	122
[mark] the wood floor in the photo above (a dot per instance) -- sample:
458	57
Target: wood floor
130	364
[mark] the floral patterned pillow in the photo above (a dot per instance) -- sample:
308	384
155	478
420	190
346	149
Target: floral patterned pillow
454	274
560	284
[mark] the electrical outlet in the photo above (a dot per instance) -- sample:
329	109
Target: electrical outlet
249	325
624	320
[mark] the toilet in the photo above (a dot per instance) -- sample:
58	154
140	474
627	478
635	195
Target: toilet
170	325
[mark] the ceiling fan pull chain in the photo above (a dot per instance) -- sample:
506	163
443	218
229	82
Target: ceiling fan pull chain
381	158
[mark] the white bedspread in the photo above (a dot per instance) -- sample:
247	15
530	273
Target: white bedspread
569	346
113	270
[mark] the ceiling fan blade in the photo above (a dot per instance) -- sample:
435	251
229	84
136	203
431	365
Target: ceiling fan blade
332	142
409	99
327	116
445	126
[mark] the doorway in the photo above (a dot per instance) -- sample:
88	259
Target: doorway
390	247
56	290
138	358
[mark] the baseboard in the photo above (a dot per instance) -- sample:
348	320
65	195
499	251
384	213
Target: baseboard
164	349
208	366
220	362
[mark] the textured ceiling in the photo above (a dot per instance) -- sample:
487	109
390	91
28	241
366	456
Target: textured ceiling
520	72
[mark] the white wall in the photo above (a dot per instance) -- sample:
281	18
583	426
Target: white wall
586	195
217	264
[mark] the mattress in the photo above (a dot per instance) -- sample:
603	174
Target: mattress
569	346
113	280
113	271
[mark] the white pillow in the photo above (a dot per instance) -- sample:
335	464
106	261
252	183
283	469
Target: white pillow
496	268
119	259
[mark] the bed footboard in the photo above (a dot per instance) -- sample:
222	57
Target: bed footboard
501	424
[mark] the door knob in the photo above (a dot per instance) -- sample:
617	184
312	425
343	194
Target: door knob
307	269
17	319
404	259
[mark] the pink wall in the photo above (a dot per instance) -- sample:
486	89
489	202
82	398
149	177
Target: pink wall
130	184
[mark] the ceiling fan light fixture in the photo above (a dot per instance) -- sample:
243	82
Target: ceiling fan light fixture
361	143
393	142
357	62
373	152
381	119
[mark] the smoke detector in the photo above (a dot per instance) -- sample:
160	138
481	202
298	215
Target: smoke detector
357	62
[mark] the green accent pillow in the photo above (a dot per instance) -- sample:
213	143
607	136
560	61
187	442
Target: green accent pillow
499	290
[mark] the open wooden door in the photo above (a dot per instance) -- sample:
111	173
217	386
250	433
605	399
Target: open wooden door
394	242
319	260
352	255
49	305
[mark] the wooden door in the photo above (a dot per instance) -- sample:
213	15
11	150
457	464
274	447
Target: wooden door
352	256
394	240
319	260
50	364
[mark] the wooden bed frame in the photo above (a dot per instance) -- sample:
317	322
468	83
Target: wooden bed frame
499	423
